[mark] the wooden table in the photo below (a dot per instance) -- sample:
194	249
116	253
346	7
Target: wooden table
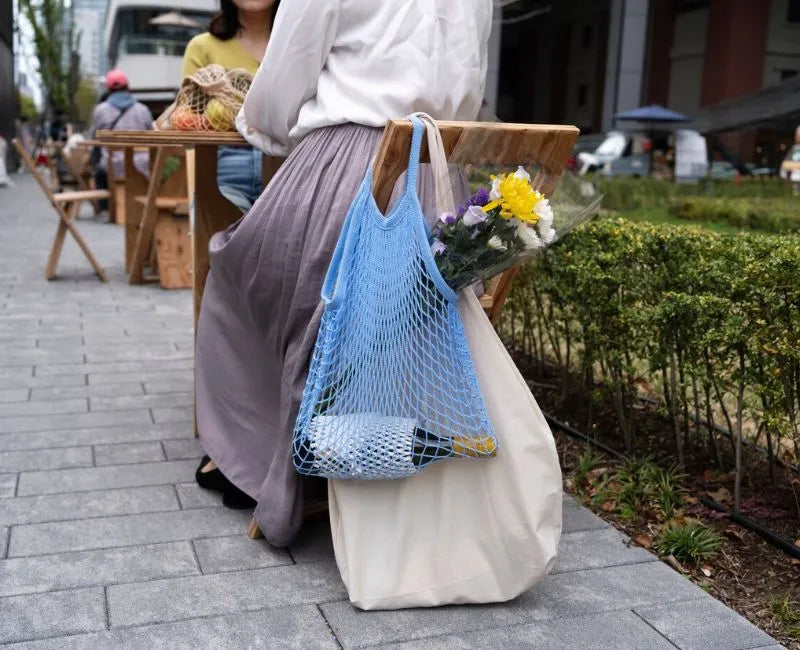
210	212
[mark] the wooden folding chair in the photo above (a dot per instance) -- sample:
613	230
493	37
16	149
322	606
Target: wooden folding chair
66	205
547	146
79	173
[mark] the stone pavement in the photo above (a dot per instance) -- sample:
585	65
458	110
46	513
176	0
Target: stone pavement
105	541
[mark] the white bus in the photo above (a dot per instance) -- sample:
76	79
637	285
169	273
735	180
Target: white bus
146	40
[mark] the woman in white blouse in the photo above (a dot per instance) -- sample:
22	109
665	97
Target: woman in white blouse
334	72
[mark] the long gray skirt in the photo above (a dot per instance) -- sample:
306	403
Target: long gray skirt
260	315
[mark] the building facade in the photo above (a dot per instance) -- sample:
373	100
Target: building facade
578	62
89	17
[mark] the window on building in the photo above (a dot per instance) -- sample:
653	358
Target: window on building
583	93
586	37
788	74
793	12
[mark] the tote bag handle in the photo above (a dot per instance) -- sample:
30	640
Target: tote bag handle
439	167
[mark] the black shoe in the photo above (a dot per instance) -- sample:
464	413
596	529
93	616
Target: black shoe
232	497
235	499
212	480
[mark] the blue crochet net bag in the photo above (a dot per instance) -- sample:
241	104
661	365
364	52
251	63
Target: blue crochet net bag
391	386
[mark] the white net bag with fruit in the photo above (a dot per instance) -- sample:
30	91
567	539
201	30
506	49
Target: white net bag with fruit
208	100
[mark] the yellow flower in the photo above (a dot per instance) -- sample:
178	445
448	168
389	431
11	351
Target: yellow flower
517	199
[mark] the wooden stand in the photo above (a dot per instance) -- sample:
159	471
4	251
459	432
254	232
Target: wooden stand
501	144
126	190
162	226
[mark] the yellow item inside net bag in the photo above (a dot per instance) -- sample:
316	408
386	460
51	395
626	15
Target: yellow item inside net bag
208	100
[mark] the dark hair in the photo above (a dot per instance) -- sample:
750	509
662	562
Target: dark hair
225	25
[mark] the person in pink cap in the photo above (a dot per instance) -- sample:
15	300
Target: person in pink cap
119	111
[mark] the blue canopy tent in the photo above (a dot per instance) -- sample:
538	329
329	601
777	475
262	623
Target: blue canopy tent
651	116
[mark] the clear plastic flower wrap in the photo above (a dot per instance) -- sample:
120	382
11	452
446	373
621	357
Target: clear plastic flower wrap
508	220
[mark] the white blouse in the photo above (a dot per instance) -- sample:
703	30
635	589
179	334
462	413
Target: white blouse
366	61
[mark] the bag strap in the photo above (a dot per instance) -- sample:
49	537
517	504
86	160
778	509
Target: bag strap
413	155
334	286
97	151
122	112
439	167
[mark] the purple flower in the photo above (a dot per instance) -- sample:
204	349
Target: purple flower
437	247
480	198
448	218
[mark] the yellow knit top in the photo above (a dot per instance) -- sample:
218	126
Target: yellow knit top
205	49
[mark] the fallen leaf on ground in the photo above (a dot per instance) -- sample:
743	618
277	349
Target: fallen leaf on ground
795	561
797	542
690	500
723	495
673	562
643	540
757	508
609	506
706	570
707	475
736	533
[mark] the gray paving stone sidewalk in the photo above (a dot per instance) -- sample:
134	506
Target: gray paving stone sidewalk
106	542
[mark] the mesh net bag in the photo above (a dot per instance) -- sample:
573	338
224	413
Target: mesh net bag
208	100
391	385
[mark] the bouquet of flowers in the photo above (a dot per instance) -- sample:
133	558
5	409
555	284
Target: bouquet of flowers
502	226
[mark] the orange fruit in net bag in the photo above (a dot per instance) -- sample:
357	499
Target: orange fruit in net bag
184	118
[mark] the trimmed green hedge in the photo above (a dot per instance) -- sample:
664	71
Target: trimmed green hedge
633	193
710	323
771	215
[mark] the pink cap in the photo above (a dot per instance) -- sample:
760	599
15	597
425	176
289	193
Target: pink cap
116	80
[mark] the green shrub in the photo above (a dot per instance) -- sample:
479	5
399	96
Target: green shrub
770	215
627	193
688	542
709	323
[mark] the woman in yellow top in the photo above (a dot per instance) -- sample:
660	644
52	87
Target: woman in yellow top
236	38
